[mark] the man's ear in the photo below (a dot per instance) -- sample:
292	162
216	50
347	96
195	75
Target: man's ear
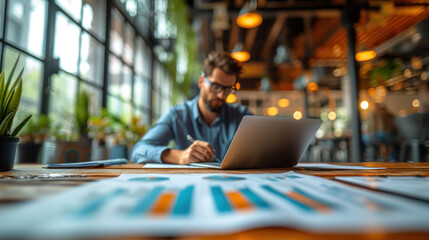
200	81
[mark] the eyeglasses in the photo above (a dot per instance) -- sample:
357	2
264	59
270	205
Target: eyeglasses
217	88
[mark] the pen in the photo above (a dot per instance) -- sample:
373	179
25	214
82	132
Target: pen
191	139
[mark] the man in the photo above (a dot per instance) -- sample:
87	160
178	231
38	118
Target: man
202	128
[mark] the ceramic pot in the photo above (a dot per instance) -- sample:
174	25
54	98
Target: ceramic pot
8	150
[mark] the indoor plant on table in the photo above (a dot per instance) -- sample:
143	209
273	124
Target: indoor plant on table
32	136
10	96
75	147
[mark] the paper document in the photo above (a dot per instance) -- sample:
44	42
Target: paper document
166	165
180	204
415	187
334	166
300	165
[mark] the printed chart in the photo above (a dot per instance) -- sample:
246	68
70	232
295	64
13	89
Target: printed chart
170	205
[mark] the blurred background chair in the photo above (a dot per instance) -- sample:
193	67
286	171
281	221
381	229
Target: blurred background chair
415	130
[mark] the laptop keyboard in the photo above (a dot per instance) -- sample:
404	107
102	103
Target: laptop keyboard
207	164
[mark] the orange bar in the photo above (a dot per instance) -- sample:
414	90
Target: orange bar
318	206
163	205
238	201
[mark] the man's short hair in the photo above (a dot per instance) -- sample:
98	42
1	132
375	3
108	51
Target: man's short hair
223	61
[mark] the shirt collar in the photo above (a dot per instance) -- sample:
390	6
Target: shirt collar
197	115
195	111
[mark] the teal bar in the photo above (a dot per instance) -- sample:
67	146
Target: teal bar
300	191
184	202
98	203
221	202
255	199
288	199
146	202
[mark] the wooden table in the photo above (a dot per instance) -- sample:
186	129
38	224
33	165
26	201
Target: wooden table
31	181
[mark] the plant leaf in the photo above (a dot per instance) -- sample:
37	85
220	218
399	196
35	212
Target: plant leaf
2	92
12	72
14	99
20	126
4	130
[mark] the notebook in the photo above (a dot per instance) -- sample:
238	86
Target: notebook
267	142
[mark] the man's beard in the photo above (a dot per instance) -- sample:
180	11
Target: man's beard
212	106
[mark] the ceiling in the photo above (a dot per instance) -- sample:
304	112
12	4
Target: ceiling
312	32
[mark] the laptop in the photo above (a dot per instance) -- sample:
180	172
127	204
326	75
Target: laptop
267	142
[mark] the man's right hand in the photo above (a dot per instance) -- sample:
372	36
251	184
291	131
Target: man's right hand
199	151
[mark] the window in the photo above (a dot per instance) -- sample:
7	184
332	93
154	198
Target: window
94	17
91	60
1	17
116	40
142	88
162	90
31	77
26	25
63	100
66	43
79	42
72	7
25	22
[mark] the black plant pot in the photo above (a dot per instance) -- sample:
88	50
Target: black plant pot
29	152
8	150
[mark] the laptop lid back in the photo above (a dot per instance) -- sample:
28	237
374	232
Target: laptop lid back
267	142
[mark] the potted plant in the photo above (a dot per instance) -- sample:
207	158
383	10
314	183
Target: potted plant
127	136
100	130
75	147
32	137
10	97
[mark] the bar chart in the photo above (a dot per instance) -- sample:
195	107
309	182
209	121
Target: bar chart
195	203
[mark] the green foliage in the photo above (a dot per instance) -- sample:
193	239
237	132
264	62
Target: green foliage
82	113
37	129
10	96
185	47
384	70
126	134
100	127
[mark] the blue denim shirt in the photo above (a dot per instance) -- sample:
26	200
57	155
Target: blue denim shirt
185	119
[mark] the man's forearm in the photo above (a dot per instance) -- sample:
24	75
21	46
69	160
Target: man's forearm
171	156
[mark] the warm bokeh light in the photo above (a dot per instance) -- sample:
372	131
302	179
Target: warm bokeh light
312	87
231	98
365	55
297	115
407	73
364	105
332	115
249	20
424	76
241	56
284	102
380	94
371	92
416	103
272	111
338	133
237	85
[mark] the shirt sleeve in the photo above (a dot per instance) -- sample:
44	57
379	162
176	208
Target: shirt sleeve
155	141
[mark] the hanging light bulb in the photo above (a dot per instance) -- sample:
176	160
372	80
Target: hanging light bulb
365	54
239	54
248	17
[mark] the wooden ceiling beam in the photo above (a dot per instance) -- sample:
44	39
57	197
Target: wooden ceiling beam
272	37
233	35
250	39
205	32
